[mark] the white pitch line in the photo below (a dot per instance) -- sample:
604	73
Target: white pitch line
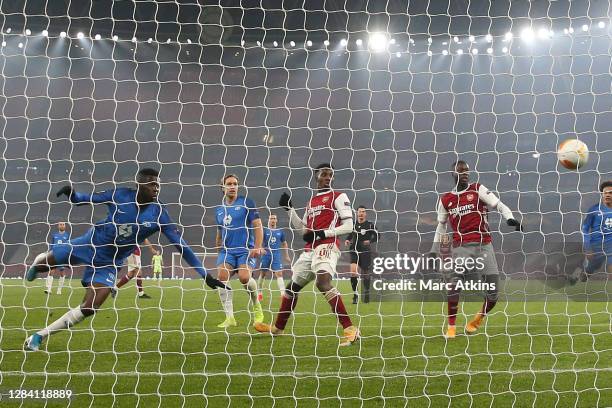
367	373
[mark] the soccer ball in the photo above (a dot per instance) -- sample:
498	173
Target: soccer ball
573	154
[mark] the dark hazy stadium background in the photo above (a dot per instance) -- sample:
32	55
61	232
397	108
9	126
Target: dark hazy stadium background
391	126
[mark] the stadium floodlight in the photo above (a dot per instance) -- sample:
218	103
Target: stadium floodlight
150	40
429	40
326	43
565	31
63	34
28	31
98	37
429	53
377	42
571	29
343	42
392	41
489	50
275	43
80	35
168	41
508	36
45	33
309	43
460	51
292	43
134	39
527	35
20	45
489	38
472	38
444	52
456	39
188	41
475	51
258	43
359	42
115	38
601	24
4	43
505	50
8	30
544	33
585	27
398	54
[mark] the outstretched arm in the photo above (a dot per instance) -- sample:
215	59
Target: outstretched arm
77	198
491	200
171	231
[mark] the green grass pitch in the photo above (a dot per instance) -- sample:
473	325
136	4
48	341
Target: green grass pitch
167	351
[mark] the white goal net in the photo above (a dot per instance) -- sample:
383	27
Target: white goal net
391	93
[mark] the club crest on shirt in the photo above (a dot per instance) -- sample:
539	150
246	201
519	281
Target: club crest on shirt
470	197
325	199
227	220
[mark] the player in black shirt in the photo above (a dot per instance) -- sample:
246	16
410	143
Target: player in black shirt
360	244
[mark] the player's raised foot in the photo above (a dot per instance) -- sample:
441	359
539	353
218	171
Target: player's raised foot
451	332
144	296
474	324
266	328
351	335
575	276
258	315
31	274
228	322
33	342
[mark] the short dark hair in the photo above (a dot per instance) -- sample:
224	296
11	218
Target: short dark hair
457	162
605	184
362	206
146	172
323	166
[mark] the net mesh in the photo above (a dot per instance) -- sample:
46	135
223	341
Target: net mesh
391	93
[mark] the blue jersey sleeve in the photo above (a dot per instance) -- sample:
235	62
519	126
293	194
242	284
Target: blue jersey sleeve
282	237
171	231
95	198
253	213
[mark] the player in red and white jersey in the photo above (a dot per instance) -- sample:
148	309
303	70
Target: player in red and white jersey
466	209
328	216
134	265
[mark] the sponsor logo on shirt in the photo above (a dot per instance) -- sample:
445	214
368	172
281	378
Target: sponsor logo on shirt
461	210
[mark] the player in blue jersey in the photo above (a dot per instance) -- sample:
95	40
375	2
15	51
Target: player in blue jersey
274	240
133	216
239	239
61	236
597	236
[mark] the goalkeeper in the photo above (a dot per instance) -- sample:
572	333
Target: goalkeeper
133	216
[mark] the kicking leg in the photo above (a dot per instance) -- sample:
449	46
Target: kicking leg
95	296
